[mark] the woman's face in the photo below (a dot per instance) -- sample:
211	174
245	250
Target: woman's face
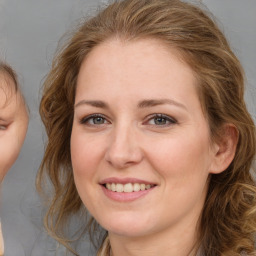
139	127
13	124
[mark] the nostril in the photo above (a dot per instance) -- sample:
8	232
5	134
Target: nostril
122	159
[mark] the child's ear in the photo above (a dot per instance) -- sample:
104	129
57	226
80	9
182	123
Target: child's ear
224	149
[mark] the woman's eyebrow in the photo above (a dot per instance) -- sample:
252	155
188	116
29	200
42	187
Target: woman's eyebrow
93	103
156	102
141	104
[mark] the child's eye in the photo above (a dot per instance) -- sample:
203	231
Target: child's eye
95	119
3	127
161	120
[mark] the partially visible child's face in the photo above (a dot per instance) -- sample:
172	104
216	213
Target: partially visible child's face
13	124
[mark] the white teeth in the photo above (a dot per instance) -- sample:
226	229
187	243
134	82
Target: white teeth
148	186
119	188
113	187
136	187
128	187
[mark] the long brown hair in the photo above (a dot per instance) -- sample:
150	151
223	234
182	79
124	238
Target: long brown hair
228	221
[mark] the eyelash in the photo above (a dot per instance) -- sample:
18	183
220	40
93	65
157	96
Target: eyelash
169	120
3	127
85	120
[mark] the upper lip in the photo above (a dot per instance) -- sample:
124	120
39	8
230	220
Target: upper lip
125	181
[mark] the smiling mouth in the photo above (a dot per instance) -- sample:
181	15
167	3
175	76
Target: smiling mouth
128	187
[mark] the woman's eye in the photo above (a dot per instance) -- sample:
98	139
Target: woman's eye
94	120
161	120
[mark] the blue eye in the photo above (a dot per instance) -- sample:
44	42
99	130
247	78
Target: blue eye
95	119
161	120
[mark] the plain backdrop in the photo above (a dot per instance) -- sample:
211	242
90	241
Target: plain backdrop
29	34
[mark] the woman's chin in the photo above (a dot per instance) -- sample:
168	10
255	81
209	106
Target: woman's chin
129	227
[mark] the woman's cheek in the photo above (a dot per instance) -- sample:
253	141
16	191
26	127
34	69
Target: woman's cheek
82	156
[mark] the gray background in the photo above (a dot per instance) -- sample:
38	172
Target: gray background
29	34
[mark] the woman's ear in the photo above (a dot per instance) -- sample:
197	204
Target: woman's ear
224	149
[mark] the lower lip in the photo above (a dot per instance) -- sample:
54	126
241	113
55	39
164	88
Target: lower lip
124	196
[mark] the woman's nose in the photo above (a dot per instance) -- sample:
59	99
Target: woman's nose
124	148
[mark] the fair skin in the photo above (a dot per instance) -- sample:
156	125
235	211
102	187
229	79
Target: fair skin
13	124
138	120
13	128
